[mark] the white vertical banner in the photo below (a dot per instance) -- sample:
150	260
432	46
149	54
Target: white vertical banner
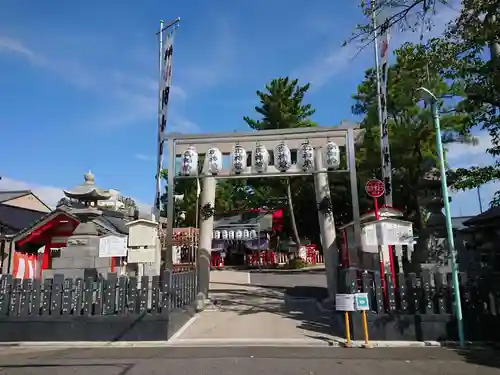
166	51
382	19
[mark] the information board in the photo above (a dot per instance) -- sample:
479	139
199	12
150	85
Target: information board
112	246
362	302
344	302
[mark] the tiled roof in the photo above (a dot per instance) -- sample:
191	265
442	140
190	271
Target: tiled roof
18	219
13	194
491	214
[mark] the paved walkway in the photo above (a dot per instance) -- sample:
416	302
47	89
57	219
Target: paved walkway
244	313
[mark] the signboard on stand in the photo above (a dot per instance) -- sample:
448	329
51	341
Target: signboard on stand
361	301
344	302
112	246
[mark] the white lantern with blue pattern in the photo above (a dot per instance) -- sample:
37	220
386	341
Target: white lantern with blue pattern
305	157
331	156
213	161
260	159
224	234
216	235
238	159
282	157
231	234
238	234
189	162
246	234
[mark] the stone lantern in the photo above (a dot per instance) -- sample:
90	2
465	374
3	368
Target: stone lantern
432	238
80	257
87	194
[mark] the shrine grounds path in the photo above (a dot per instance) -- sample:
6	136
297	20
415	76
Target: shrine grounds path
247	361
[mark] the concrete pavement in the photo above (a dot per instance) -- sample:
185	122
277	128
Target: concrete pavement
249	361
242	313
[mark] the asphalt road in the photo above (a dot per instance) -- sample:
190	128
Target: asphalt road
296	284
287	280
248	361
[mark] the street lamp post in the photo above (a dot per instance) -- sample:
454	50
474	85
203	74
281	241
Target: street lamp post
431	98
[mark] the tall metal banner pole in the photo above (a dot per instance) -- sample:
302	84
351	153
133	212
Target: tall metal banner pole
160	135
385	154
165	81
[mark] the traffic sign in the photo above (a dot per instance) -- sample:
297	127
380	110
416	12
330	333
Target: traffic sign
361	300
375	188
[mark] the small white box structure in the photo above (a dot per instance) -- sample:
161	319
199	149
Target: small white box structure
376	235
142	241
141	255
142	232
387	231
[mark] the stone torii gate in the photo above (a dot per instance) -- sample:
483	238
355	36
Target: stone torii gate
344	136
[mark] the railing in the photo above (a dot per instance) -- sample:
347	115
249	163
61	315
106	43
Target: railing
428	298
111	296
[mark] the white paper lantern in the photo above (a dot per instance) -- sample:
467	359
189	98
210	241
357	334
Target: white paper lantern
282	157
305	157
253	234
238	234
260	159
213	161
246	234
238	159
231	234
224	234
189	162
331	156
216	234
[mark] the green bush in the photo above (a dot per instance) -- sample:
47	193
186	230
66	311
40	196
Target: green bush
296	263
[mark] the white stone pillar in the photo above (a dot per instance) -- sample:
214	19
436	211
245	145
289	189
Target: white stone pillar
206	230
326	225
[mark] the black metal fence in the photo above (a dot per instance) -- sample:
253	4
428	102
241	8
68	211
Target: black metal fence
125	302
422	307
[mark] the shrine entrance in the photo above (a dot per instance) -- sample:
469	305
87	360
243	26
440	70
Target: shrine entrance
315	151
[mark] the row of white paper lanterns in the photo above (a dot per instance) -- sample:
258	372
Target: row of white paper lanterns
260	156
234	234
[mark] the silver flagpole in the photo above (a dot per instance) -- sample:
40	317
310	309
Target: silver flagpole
165	67
157	202
385	158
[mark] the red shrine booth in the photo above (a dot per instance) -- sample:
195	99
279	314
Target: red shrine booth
31	250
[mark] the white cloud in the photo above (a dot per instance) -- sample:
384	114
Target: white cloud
144	157
50	195
338	59
464	156
130	97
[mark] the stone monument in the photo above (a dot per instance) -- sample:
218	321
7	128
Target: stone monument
80	257
432	237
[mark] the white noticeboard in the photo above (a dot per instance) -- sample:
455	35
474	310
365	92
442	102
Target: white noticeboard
344	302
387	232
112	246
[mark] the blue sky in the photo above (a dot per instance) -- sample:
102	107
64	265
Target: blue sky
79	81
